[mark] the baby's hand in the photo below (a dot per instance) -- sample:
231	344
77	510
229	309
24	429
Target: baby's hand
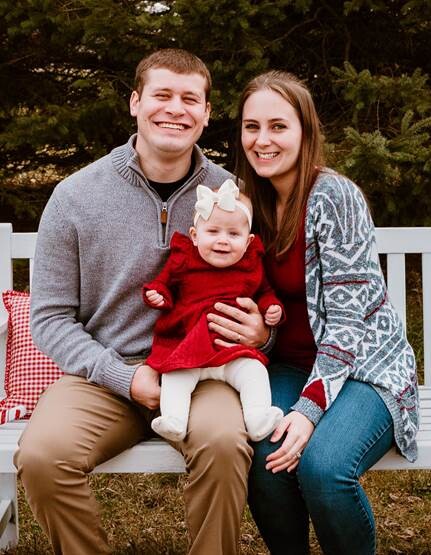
273	315
155	298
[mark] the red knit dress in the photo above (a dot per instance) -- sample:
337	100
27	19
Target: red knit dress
190	287
295	343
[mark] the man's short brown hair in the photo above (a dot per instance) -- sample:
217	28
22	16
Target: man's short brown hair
176	60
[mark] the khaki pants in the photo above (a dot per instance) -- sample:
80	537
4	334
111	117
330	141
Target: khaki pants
78	425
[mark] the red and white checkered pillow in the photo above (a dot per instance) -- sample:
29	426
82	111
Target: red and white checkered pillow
28	372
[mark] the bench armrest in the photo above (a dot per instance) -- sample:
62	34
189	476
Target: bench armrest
3	325
3	338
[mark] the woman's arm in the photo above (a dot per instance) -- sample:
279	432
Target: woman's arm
344	235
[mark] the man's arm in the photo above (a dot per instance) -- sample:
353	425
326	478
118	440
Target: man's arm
145	387
55	305
244	326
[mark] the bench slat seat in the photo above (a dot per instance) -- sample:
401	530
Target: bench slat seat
157	455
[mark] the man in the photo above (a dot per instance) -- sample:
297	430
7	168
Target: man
104	232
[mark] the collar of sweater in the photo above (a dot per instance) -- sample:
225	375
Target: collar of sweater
126	161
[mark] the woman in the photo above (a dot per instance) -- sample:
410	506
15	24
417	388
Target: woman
342	369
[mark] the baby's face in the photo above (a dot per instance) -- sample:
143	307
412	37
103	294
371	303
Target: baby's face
222	239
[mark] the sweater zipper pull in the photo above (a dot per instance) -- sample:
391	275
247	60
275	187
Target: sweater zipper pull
164	213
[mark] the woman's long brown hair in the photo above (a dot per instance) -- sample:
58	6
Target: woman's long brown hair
310	159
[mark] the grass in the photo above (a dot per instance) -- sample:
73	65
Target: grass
144	514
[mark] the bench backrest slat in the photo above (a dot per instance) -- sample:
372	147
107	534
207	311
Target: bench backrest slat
426	298
408	240
5	259
23	245
396	279
393	242
396	242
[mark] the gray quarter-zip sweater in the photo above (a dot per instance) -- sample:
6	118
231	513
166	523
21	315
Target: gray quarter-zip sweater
100	238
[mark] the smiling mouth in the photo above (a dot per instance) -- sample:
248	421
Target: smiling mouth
266	155
176	126
220	252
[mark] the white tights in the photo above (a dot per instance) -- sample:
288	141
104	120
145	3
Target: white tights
248	376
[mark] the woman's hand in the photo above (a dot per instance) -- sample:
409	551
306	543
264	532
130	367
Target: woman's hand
246	326
298	430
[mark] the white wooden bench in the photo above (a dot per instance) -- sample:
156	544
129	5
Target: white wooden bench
158	456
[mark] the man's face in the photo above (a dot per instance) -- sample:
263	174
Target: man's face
171	113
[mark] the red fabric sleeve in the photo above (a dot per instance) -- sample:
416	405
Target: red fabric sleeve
161	288
169	273
266	297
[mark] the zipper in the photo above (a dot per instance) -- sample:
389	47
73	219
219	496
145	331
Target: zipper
164	220
164	213
164	210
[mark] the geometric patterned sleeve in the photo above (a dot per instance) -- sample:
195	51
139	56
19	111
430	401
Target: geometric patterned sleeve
341	264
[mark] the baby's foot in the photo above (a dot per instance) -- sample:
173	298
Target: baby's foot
169	427
261	423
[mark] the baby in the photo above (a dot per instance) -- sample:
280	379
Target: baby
220	261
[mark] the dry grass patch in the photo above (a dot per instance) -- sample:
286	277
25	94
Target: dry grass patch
402	507
144	514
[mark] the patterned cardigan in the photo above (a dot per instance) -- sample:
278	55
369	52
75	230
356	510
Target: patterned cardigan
357	331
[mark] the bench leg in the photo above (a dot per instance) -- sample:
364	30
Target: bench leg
8	511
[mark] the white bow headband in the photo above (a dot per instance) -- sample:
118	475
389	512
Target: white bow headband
225	198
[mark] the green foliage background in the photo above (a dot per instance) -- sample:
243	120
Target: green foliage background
66	69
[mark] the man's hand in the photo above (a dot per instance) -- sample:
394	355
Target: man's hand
155	298
273	315
298	430
145	387
246	326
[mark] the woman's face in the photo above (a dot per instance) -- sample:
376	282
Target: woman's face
271	136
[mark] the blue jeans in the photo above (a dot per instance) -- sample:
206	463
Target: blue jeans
353	434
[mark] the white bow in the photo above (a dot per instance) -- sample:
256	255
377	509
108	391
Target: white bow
225	198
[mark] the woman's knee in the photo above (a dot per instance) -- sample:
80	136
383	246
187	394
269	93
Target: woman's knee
261	450
319	474
264	484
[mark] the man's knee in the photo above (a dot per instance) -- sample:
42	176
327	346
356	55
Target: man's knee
34	467
219	453
224	446
41	463
217	440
